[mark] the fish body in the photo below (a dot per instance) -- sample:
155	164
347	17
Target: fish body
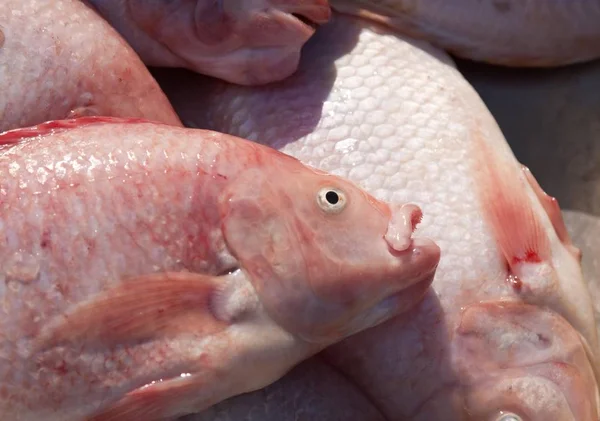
58	58
503	32
508	331
244	42
149	271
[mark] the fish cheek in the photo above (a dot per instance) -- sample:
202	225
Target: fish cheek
260	237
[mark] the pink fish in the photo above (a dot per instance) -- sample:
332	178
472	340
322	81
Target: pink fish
244	42
150	271
508	331
503	32
58	58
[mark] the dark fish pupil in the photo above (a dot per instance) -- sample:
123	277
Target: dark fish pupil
332	197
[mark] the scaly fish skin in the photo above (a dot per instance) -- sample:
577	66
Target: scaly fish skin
510	329
244	42
58	58
199	264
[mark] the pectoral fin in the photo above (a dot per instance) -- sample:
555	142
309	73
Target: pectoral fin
163	401
508	208
138	309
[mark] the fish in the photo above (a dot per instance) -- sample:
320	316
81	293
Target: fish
150	271
501	32
242	42
507	330
54	66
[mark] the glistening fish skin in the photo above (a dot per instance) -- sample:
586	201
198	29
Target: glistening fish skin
510	328
59	58
150	271
240	41
516	33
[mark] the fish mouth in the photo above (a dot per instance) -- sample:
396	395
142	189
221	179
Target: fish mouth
306	21
312	16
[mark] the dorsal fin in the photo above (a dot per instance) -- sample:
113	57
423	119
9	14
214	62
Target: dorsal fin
14	136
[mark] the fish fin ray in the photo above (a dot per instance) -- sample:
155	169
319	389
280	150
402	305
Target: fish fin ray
156	402
552	208
136	309
517	228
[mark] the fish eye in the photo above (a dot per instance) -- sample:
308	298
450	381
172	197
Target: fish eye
331	200
508	416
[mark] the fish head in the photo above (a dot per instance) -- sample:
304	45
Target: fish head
246	42
326	259
520	362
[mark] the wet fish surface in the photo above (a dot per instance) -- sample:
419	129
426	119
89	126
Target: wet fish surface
150	271
58	58
509	331
245	42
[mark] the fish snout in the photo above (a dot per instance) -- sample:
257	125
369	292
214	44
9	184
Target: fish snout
416	259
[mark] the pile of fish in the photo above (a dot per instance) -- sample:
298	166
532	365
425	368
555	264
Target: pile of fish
339	192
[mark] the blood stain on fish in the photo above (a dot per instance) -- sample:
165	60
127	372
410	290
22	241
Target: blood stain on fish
530	257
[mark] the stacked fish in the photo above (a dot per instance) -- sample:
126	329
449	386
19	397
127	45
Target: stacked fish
335	164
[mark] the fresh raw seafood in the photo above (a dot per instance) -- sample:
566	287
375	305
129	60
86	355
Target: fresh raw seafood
510	327
551	119
531	33
58	58
246	42
150	271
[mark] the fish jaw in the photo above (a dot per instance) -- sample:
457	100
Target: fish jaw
326	274
523	360
247	43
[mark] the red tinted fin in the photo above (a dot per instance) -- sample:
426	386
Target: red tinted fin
138	309
552	208
159	401
16	135
508	209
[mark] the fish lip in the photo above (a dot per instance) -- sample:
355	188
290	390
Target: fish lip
305	21
310	16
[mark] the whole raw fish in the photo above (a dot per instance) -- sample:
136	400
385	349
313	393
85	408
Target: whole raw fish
509	332
532	33
59	58
150	271
246	42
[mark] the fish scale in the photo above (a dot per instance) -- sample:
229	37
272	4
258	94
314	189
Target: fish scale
445	153
158	270
51	66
